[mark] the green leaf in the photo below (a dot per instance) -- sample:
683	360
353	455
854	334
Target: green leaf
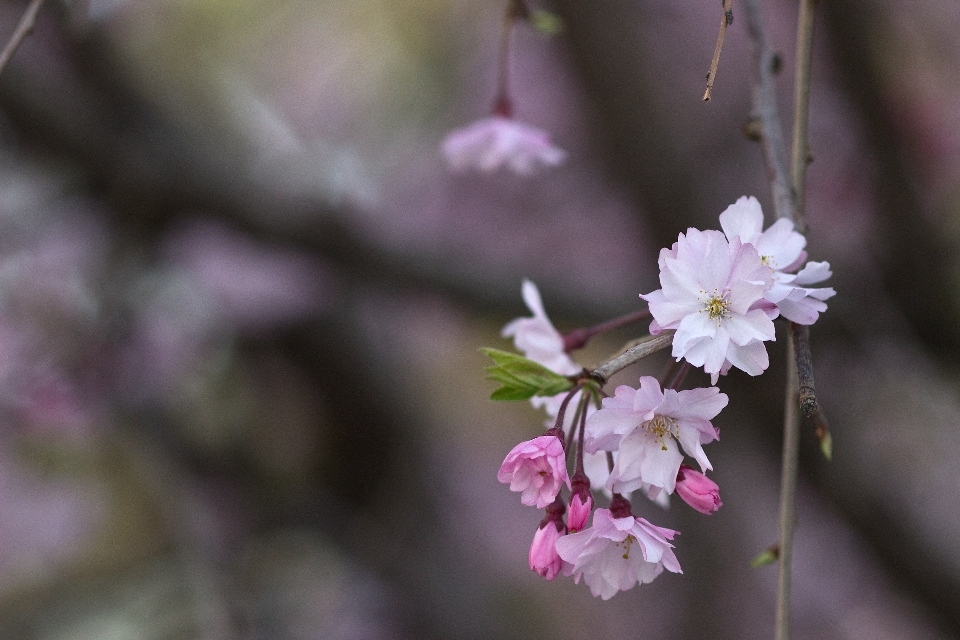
826	446
546	22
520	378
769	556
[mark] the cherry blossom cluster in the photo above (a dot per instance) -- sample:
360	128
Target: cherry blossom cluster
720	292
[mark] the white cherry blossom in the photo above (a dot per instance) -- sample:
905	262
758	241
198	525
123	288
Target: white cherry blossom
713	296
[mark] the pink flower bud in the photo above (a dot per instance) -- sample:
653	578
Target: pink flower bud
697	490
579	513
581	502
544	558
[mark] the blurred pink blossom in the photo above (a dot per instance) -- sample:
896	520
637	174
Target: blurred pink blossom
495	141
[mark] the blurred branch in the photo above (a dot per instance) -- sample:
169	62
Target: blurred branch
24	28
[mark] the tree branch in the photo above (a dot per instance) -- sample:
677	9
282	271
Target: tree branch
632	355
24	28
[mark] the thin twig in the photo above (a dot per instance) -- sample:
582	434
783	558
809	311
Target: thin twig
24	27
578	338
633	354
725	22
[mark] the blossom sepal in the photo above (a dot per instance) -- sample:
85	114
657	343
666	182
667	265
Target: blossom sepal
522	379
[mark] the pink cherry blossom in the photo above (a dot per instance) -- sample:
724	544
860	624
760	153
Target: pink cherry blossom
537	468
644	425
495	141
616	553
543	551
697	490
781	248
712	294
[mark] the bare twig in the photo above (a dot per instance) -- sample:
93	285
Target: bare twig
24	27
578	338
725	22
633	354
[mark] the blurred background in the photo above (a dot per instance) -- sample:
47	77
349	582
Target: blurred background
241	297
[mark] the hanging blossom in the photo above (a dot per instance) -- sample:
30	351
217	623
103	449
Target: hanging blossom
644	426
617	552
496	141
782	249
537	468
713	296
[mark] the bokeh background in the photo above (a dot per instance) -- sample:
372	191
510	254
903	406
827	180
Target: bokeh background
241	297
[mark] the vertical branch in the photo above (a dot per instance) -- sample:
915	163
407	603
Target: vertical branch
788	195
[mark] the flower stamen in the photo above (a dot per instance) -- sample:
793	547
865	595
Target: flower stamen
717	306
661	427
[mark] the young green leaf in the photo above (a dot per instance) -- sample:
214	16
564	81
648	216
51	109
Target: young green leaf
521	379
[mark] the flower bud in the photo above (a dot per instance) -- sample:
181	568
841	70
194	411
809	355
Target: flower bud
581	503
697	490
543	551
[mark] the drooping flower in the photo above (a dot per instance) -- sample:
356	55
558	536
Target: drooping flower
537	468
697	490
781	248
712	294
536	337
543	556
616	553
495	141
644	425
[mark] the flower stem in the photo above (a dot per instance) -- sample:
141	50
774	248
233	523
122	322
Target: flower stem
577	338
502	104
